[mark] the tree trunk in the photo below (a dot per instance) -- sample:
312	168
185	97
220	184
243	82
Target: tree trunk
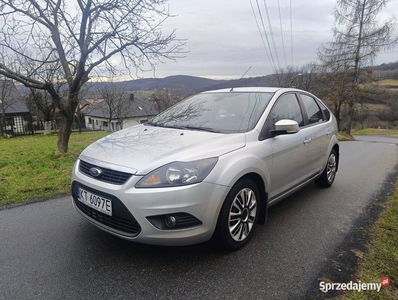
3	125
63	135
350	116
337	109
47	127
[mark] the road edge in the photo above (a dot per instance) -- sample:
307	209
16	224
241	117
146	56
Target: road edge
31	201
342	265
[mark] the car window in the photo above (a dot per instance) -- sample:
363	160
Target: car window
287	107
229	112
325	110
313	111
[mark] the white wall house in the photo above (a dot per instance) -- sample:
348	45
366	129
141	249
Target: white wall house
98	123
137	112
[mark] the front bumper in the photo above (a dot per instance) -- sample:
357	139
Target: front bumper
132	206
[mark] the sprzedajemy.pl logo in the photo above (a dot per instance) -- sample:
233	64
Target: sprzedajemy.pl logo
354	286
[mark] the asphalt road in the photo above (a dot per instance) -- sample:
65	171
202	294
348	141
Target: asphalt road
48	251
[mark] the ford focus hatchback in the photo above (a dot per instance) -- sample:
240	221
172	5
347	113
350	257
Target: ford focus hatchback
208	167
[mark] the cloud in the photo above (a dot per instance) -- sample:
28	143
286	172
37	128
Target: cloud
223	38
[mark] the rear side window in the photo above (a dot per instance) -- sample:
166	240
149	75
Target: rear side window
313	111
326	111
287	107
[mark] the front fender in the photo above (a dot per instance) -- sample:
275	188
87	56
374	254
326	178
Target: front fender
229	170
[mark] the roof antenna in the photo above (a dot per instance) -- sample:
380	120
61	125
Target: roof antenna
232	89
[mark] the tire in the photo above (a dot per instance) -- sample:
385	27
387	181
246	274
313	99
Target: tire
329	174
238	218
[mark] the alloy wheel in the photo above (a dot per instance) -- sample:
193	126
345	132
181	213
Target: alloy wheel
331	168
242	214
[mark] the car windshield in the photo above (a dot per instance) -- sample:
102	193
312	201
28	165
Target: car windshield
229	112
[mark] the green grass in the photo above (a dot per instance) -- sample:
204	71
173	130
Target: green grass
345	137
374	131
382	259
29	168
388	82
374	107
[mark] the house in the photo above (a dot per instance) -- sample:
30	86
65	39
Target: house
15	117
125	113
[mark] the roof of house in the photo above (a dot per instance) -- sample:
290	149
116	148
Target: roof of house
136	108
12	98
17	107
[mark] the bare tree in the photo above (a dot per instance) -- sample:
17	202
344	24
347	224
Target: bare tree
124	108
358	40
310	78
116	102
41	102
75	40
286	77
166	98
79	114
333	91
305	77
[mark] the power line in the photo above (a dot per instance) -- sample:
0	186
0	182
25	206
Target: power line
271	33
283	42
266	36
261	35
291	29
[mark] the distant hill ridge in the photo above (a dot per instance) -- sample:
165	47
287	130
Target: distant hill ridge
183	82
193	84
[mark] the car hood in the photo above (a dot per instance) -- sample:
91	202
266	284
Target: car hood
144	148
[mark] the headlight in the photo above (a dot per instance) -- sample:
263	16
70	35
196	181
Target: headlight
178	173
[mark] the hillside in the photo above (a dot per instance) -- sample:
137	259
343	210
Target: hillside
193	84
183	82
268	80
386	71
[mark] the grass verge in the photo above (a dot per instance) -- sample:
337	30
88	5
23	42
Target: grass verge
29	168
374	131
382	259
345	136
388	82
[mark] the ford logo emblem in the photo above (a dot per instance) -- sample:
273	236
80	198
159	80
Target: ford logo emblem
95	172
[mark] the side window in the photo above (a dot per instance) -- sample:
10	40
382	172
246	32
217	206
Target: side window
287	107
326	111
313	111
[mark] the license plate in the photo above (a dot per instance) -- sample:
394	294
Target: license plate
94	201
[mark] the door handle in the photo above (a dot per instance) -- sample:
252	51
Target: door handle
307	140
329	132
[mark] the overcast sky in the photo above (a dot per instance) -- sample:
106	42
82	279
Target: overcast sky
223	40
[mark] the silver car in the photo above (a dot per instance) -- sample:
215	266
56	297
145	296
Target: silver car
209	167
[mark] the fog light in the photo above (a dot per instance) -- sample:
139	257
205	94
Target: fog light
176	221
170	221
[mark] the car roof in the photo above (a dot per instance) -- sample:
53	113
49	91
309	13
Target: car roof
252	89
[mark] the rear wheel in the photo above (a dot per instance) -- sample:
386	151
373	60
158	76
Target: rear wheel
327	178
238	215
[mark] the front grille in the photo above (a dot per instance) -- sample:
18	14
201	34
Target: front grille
121	221
121	224
107	175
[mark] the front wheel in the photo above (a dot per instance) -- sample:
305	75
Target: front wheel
327	178
238	215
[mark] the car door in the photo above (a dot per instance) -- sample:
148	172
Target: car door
289	151
319	133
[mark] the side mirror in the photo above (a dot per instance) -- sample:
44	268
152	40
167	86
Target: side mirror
285	126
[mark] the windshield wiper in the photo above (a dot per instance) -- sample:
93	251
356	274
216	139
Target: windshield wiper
163	125
209	129
151	123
